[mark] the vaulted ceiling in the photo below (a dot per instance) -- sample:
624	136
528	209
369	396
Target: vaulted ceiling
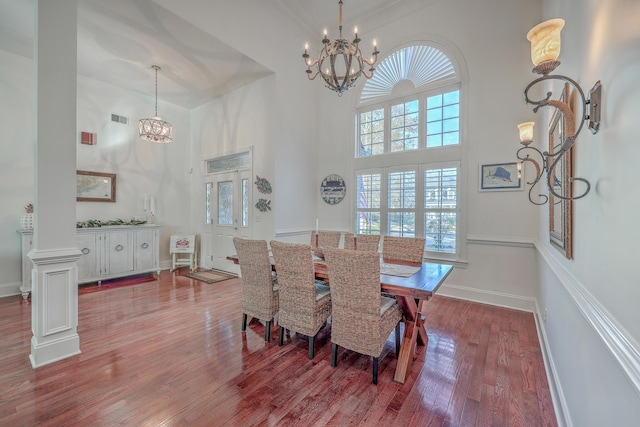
119	40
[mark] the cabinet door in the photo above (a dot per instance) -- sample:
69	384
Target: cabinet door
89	261
119	256
145	248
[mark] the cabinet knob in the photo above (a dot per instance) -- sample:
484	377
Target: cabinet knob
145	245
119	248
85	251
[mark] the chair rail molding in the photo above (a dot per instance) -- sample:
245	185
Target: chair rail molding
523	242
623	347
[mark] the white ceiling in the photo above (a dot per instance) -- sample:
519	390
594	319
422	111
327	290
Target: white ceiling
119	40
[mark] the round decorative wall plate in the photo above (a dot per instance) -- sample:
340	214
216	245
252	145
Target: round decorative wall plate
333	189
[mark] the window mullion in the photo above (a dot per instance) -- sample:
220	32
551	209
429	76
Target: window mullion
384	202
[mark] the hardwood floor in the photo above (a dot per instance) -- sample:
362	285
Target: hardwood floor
170	352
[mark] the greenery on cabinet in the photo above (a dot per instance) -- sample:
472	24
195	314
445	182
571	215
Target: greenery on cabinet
93	223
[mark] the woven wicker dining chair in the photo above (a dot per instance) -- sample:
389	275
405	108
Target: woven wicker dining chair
304	304
259	291
362	242
361	318
403	248
326	239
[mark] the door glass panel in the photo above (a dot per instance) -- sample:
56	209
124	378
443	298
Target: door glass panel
225	203
245	202
207	203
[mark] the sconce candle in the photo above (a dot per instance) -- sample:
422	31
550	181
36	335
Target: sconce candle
545	45
526	132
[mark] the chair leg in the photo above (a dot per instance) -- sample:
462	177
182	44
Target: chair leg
375	370
267	331
397	340
312	342
281	338
334	355
244	322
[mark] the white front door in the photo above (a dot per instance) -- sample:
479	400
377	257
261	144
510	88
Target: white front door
228	206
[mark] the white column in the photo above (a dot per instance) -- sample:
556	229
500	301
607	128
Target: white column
54	310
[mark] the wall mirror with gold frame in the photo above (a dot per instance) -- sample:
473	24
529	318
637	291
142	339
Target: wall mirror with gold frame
560	210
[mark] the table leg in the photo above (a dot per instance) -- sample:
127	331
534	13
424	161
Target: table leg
423	338
411	313
414	333
407	350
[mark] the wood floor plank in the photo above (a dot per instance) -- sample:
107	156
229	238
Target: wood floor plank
169	351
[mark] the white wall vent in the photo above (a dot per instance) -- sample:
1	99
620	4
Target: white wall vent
119	119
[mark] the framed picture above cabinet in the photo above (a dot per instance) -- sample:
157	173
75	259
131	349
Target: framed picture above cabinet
95	186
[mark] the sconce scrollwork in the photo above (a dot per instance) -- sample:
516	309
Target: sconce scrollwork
545	48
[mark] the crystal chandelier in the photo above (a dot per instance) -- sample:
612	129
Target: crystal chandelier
155	129
340	62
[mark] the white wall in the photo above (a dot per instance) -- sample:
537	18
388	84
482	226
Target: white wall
593	325
258	30
16	162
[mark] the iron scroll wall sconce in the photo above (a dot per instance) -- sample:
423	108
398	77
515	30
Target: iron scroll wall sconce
545	49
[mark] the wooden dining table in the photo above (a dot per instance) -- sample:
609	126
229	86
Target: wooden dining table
412	293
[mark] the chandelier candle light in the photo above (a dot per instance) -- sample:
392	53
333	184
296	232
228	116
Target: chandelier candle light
340	62
545	49
155	129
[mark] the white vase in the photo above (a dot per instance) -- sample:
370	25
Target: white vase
26	221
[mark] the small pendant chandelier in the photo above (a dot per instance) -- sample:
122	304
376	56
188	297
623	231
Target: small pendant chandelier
340	63
155	129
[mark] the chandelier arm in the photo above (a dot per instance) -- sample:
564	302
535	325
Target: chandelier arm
310	76
311	64
370	63
364	73
533	183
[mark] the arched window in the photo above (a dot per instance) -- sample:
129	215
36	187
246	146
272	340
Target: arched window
421	65
407	150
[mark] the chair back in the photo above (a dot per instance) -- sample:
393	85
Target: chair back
257	282
362	242
355	287
349	241
367	242
296	280
403	248
326	239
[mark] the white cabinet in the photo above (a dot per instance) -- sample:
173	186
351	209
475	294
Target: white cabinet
145	247
89	261
107	253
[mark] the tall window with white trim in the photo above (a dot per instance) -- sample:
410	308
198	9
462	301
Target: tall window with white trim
408	161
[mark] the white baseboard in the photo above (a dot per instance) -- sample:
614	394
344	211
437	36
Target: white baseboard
9	289
557	396
483	296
